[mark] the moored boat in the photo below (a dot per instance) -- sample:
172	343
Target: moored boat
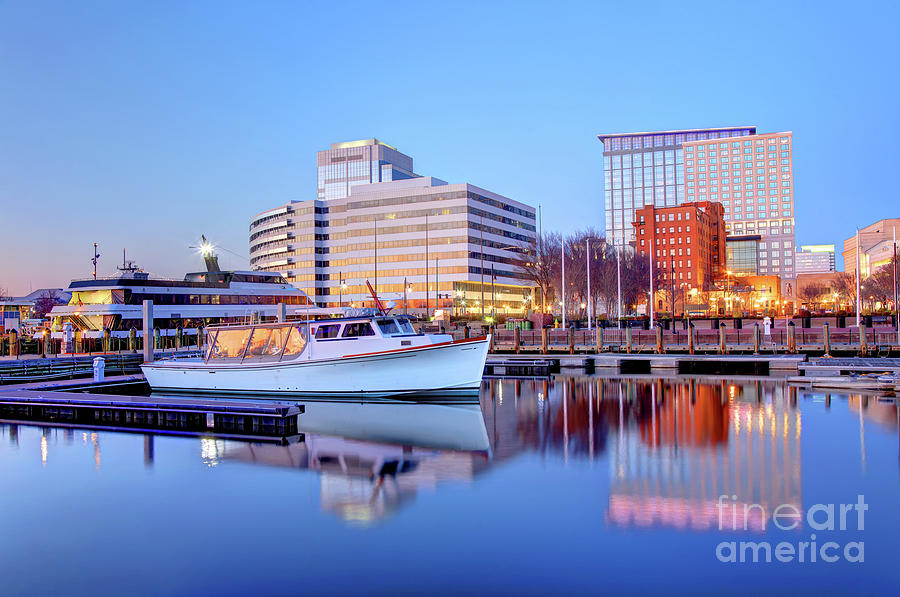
372	355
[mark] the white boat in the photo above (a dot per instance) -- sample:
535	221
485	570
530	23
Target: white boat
352	356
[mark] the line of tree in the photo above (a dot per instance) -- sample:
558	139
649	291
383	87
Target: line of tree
541	261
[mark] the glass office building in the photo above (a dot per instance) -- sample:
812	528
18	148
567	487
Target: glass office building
647	168
742	255
353	163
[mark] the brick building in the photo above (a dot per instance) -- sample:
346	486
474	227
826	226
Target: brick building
687	242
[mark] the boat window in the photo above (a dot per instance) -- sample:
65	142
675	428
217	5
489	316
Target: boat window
358	328
230	343
328	331
296	340
388	326
210	343
258	342
406	326
276	342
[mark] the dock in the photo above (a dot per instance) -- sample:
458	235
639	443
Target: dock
230	419
529	365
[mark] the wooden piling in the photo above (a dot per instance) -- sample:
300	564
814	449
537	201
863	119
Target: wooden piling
659	339
132	340
722	337
628	340
863	341
826	337
107	336
755	338
690	339
571	340
543	340
516	339
792	338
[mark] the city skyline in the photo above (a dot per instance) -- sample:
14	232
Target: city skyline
143	129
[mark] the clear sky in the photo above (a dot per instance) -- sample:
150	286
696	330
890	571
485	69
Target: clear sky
144	125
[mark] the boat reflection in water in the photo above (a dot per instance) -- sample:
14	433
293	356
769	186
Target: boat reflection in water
373	456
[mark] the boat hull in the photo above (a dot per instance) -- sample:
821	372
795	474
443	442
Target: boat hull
445	371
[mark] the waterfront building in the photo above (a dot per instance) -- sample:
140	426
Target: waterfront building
421	242
647	169
742	255
876	243
815	259
686	242
753	179
353	163
13	313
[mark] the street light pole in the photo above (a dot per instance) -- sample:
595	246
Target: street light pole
619	282
652	258
563	291
481	229
587	258
858	276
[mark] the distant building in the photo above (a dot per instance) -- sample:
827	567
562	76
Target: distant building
353	163
452	245
815	259
742	255
876	246
752	178
648	169
686	242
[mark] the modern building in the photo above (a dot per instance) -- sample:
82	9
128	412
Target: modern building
687	242
422	243
753	179
876	243
353	163
642	169
742	255
814	259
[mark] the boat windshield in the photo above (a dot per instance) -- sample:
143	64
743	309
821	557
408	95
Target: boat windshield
405	326
257	343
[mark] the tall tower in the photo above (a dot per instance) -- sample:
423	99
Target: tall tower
359	162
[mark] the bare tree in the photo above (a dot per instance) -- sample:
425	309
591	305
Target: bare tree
845	286
813	293
540	262
45	303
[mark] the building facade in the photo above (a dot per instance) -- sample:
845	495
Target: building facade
753	180
876	243
742	255
814	259
353	163
687	243
420	242
647	169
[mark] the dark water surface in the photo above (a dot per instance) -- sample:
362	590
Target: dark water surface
575	485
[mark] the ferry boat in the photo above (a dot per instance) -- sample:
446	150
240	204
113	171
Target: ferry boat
200	299
370	354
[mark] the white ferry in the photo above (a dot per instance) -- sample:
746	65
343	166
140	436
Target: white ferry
200	299
367	355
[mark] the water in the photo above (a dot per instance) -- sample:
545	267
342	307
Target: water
577	485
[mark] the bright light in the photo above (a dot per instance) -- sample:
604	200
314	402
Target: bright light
206	248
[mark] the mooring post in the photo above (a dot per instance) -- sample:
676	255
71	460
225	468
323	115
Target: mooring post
628	340
200	337
13	343
179	337
863	341
722	337
106	340
281	313
792	338
148	331
572	340
755	338
516	338
600	339
543	340
826	337
491	343
132	340
158	340
47	340
690	338
78	343
659	339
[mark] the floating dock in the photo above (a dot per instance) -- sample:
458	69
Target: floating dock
268	421
528	365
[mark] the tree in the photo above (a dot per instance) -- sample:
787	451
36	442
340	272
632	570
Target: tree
539	261
879	287
845	286
813	293
45	303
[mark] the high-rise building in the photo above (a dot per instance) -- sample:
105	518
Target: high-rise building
815	259
753	179
876	244
419	241
353	163
643	169
687	242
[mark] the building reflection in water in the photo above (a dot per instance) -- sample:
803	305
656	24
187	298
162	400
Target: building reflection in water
672	446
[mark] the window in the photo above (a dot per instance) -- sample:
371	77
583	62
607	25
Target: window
389	327
357	329
324	332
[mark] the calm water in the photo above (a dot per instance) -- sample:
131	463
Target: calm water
579	485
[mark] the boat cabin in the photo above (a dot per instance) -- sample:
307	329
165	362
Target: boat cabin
330	338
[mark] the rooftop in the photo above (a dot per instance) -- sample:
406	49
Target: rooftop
676	131
360	143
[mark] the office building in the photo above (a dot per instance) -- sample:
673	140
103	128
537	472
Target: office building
753	180
687	242
644	169
814	259
419	241
353	163
876	243
742	255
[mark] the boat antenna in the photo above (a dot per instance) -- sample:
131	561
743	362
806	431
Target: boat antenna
95	259
377	302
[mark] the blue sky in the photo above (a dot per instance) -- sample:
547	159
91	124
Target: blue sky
144	125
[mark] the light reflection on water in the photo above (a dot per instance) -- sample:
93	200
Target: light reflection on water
627	456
